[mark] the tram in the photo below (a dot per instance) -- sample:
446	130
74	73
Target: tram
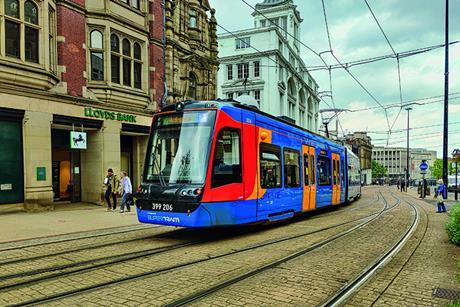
222	163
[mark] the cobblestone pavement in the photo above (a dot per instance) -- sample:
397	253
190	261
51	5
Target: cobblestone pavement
426	262
139	266
171	274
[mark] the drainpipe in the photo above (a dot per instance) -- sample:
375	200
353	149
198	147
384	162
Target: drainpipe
165	92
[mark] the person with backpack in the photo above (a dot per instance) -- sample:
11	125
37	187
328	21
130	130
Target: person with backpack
112	184
441	195
126	190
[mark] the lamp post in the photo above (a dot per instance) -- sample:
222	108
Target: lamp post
446	99
456	158
408	109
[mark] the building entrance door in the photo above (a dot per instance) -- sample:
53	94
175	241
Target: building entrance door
66	170
11	164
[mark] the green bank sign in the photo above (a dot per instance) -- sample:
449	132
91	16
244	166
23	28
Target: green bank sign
121	117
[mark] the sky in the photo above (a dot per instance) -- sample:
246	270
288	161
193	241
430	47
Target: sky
408	24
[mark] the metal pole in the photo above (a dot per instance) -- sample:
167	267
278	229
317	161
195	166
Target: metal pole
456	183
407	155
446	101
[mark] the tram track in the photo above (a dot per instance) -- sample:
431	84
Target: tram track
73	292
106	260
352	287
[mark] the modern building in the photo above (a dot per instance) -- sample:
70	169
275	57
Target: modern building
394	159
191	50
265	62
360	144
79	81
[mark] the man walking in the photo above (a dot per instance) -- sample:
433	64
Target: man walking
112	184
126	192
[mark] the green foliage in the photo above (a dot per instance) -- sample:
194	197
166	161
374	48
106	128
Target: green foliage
378	170
436	169
453	224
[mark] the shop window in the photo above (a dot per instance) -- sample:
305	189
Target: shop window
227	159
97	55
115	58
291	168
22	20
192	88
324	171
137	66
270	166
193	19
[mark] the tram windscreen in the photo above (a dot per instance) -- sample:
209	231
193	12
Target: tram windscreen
179	149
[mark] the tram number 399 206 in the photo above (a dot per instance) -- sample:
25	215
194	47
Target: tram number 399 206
162	207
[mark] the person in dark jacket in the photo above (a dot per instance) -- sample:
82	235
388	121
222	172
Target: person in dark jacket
112	184
441	195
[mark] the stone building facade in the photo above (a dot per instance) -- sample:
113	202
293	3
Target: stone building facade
360	144
191	50
265	62
94	68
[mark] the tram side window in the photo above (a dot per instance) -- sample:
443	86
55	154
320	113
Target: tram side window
227	162
270	166
291	168
324	171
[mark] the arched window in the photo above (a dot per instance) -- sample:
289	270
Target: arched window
115	58
137	66
192	88
12	8
28	25
30	12
97	55
126	46
192	19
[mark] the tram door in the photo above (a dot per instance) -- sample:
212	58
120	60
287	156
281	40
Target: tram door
335	179
309	178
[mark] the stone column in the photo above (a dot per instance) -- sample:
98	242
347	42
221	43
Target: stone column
37	153
103	152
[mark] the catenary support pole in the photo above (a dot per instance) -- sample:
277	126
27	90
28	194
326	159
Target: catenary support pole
446	101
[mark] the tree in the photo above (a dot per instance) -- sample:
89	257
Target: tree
436	169
378	170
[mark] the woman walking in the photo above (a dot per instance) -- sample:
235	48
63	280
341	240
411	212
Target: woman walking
126	192
441	195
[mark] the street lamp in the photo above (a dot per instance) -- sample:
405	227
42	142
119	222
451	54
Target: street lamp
456	158
408	109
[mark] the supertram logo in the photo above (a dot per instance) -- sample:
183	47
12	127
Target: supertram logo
159	218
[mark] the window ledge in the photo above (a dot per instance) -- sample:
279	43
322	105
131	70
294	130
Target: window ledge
25	74
129	7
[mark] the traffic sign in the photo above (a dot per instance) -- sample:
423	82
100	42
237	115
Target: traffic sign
423	166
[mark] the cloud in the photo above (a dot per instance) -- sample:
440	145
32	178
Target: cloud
408	24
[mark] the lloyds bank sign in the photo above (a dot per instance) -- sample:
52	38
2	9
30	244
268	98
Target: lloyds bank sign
109	115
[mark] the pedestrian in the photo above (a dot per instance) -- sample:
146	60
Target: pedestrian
441	195
111	182
126	192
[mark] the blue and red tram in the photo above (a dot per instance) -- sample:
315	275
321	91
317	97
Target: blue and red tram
222	163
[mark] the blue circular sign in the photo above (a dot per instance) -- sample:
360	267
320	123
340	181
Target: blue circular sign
423	166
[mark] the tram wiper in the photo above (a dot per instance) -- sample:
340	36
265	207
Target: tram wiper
157	165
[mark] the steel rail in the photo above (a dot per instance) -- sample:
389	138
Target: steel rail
69	293
349	289
200	294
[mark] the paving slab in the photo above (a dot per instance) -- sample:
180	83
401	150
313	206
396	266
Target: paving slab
65	219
